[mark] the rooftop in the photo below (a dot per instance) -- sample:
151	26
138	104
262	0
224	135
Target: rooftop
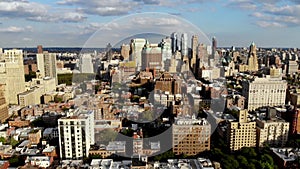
287	154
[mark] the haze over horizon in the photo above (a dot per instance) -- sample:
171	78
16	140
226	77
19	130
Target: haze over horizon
70	23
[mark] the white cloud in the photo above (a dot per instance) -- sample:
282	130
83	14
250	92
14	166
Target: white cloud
21	8
150	21
38	12
27	39
271	13
265	24
15	29
61	17
242	4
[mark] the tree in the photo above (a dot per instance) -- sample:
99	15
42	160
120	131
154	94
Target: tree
13	142
2	140
242	161
38	122
16	161
57	99
248	152
268	159
229	162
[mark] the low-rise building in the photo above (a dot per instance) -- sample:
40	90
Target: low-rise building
39	161
18	122
285	158
113	148
35	136
4	164
50	151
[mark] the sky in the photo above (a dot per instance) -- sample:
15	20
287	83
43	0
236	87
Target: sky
73	23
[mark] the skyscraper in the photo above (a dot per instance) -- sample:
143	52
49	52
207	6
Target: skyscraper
136	47
166	48
46	63
184	45
12	74
125	51
214	48
194	52
252	59
151	57
76	135
86	64
174	42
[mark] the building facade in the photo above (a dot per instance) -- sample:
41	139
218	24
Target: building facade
241	133
194	52
136	47
86	64
264	92
252	59
151	57
46	63
273	132
190	136
12	74
3	105
76	135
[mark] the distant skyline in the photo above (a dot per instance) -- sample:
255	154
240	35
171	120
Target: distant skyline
70	23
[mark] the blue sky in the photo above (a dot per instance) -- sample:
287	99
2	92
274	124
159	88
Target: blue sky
66	23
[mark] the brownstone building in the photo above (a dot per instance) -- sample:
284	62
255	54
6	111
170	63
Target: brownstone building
19	123
167	83
292	115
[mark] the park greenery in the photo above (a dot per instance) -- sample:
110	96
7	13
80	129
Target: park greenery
75	78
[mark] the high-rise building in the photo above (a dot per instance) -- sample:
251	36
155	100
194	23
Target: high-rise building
174	42
39	49
166	82
241	133
194	52
166	48
12	74
291	67
86	64
46	63
125	49
266	91
252	59
272	131
76	135
184	45
214	48
136	47
3	105
190	136
151	56
203	55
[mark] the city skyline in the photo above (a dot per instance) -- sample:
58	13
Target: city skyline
70	23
